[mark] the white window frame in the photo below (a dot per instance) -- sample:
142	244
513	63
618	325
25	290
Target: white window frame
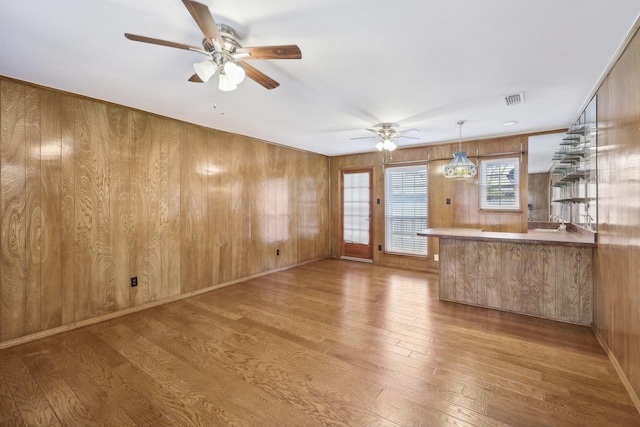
404	214
494	175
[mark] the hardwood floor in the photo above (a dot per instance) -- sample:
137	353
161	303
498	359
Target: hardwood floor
329	343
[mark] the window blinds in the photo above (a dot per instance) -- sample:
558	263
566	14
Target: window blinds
406	209
500	183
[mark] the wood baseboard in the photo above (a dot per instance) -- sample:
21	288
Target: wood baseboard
102	318
617	367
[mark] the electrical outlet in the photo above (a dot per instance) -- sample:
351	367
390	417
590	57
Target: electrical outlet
448	201
277	251
134	281
379	247
436	257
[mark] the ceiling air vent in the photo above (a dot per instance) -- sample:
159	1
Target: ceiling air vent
514	99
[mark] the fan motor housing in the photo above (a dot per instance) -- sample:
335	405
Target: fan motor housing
228	35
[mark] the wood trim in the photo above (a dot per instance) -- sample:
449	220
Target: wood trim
625	381
54	331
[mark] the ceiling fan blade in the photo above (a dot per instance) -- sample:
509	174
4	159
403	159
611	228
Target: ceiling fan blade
260	77
372	130
409	130
364	137
407	137
195	79
151	40
202	15
290	51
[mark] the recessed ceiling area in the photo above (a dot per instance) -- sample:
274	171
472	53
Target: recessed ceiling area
422	64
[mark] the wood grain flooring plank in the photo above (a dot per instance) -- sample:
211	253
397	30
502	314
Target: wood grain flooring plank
100	404
251	354
217	402
210	386
323	373
8	407
31	403
267	367
68	408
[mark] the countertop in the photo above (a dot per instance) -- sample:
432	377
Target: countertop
566	238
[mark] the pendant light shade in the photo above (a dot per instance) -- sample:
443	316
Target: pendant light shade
234	72
205	70
460	166
226	84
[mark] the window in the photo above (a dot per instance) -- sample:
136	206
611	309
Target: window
500	184
406	198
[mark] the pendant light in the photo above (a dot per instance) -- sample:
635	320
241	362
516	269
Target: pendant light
460	166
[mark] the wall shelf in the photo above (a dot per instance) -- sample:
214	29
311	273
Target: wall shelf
574	186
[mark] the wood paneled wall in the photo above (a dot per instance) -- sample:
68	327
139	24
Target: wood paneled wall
92	194
617	282
464	210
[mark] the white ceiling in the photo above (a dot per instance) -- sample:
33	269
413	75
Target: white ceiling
425	64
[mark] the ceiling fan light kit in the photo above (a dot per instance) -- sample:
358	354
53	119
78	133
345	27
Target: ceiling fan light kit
226	56
386	144
386	133
460	166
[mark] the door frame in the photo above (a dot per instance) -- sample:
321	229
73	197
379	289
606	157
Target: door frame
357	251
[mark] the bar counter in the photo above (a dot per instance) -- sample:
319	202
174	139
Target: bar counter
566	238
540	273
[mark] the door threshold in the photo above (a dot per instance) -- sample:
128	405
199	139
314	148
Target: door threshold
350	258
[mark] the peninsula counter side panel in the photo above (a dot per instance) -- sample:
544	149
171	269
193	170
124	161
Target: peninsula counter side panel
535	277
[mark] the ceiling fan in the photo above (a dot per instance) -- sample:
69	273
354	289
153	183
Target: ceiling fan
387	132
225	55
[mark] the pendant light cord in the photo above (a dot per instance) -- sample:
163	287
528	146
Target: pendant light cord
460	123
